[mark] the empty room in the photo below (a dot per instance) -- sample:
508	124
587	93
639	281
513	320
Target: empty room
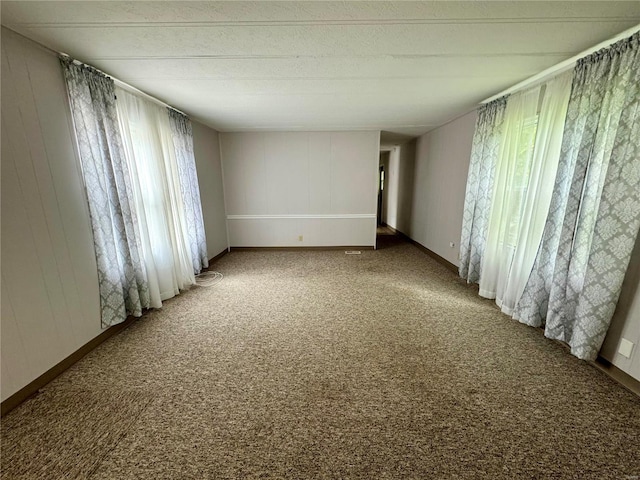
333	239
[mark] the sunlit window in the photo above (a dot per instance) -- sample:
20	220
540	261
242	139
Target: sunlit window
517	189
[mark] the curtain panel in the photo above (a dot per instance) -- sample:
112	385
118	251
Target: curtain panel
594	215
183	143
525	174
477	202
121	274
149	153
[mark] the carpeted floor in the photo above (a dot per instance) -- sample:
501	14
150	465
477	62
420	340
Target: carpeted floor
317	364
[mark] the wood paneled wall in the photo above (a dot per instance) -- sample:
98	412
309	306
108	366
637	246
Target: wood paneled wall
50	302
281	186
50	299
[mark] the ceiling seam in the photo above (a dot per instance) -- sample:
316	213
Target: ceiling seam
303	23
346	78
315	57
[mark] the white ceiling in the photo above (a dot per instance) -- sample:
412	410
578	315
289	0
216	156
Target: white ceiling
401	67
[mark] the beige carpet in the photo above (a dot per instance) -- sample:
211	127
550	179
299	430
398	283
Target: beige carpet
324	365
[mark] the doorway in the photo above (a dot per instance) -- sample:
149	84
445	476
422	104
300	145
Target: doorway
383	188
384	233
380	194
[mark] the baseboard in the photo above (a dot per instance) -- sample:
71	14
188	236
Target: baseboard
32	388
605	366
217	257
431	253
623	378
301	248
601	364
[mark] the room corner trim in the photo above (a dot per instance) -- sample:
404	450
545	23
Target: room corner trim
618	375
302	216
32	388
431	253
218	256
302	248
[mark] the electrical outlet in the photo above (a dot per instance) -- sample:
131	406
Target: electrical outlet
300	238
625	348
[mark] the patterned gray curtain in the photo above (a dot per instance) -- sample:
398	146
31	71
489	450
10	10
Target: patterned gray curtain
121	274
595	209
183	143
477	201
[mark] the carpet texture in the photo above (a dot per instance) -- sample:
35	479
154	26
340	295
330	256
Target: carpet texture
66	433
317	364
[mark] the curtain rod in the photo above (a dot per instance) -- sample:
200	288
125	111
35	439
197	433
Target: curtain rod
563	66
120	83
133	89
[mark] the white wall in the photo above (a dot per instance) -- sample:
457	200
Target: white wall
206	149
626	320
391	186
406	172
384	201
283	185
440	178
399	169
50	300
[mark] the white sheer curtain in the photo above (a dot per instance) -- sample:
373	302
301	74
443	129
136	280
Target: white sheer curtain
525	173
150	154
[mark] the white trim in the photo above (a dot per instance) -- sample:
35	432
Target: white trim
563	66
302	216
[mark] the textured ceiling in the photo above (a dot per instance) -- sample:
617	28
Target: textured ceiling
401	67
